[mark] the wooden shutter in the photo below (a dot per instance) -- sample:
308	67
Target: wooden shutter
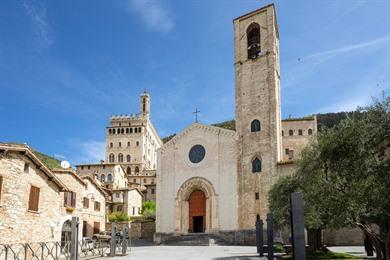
73	204
33	202
96	227
1	184
65	199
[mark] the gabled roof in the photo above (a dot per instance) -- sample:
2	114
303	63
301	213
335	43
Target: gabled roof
208	128
96	184
70	172
27	151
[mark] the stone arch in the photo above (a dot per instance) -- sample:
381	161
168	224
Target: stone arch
182	207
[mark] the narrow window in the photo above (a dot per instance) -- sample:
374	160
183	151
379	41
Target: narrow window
144	105
253	39
111	158
118	131
103	178
111	145
85	228
86	203
120	144
144	180
128	158
113	131
128	144
152	191
109	131
127	130
89	167
257	217
282	133
136	170
109	177
131	130
287	151
290	132
128	170
256	165
310	131
255	126
300	132
97	206
135	130
117	194
122	131
120	157
26	167
70	199
33	201
135	180
137	143
139	129
133	210
257	195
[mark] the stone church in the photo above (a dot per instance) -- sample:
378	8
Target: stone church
216	181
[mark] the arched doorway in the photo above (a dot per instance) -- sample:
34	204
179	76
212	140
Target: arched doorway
197	212
66	233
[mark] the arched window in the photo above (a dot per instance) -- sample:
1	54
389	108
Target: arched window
128	158
282	133
120	144
128	144
102	178
128	170
253	38
136	130
255	126
290	132
136	170
127	130
109	177
111	145
131	130
113	131
120	157
256	165
111	157
300	132
122	131
310	131
109	131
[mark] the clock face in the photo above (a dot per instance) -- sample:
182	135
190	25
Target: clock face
197	153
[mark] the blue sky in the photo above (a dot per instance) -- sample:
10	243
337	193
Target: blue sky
66	66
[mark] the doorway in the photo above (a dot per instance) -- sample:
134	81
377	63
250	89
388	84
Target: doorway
197	212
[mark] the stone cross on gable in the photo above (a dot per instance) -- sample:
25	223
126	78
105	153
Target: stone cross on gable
196	112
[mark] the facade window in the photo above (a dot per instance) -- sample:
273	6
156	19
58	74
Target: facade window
145	181
133	211
82	167
128	158
120	144
256	165
109	177
291	154
111	158
135	130
119	208
86	203
139	129
255	126
152	191
89	167
135	180
127	130
131	130
257	195
290	132
109	131
33	200
128	144
128	170
300	132
1	185
253	39
117	194
120	157
97	206
287	151
118	131
26	167
136	170
282	133
122	131
85	223
257	217
113	131
111	145
137	143
103	178
310	131
70	199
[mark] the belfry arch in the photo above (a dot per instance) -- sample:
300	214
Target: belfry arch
182	221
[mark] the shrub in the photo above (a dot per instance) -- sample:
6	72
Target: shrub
118	217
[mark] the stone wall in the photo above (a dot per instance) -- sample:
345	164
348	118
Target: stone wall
17	223
138	229
343	237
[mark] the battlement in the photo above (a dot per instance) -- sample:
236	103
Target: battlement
124	117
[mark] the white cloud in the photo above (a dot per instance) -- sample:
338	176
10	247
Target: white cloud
60	156
37	14
89	151
153	14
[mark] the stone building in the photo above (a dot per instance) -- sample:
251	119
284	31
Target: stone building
109	175
30	197
214	180
126	200
85	199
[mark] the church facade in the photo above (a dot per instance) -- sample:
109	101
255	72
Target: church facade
216	181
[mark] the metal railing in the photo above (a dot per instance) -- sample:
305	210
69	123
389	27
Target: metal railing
118	244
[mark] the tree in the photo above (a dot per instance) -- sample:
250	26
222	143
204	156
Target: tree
345	177
149	210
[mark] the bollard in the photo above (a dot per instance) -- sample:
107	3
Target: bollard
270	236
297	226
124	240
259	237
113	240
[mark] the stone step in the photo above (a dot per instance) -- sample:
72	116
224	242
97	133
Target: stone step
195	239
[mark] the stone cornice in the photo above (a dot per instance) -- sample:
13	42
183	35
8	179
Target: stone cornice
206	128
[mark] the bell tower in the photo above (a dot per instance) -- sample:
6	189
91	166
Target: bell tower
258	119
145	104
